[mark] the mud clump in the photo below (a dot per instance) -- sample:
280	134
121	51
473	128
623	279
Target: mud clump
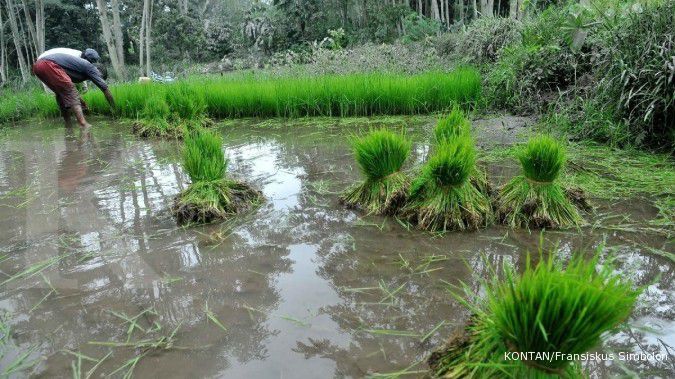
207	202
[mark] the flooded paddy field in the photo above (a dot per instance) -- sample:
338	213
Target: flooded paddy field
96	277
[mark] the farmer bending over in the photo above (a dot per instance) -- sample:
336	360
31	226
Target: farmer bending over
59	71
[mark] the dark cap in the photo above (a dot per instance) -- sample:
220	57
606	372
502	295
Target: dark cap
91	55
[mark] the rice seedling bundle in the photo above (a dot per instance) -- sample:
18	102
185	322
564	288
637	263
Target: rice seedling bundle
171	115
452	126
380	155
210	195
535	198
443	197
548	309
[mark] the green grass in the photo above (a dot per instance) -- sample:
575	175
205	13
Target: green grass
548	308
380	155
536	199
211	195
442	197
452	126
244	95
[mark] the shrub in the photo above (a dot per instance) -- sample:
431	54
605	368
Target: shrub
484	39
380	155
531	72
638	74
442	197
535	199
548	309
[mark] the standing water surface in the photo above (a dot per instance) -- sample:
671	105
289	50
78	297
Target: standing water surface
91	261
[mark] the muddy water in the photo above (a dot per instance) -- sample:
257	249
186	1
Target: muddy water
303	287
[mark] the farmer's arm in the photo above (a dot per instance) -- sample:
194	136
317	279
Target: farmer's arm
109	97
95	76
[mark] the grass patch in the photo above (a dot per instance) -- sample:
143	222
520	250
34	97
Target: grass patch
535	198
211	195
442	197
244	95
380	155
548	309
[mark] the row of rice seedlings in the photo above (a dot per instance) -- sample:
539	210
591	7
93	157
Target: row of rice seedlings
548	309
343	96
171	115
450	192
211	195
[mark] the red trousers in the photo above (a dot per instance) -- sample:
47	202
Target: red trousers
56	78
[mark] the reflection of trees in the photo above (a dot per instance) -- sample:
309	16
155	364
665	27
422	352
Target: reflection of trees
124	258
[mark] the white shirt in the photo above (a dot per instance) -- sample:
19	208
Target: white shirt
61	50
64	50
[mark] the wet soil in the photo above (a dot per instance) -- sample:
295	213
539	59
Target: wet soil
303	287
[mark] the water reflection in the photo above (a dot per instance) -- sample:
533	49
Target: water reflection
304	287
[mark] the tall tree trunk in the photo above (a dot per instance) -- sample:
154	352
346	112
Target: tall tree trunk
434	10
11	16
141	39
475	9
108	37
117	32
40	25
3	52
490	11
148	36
31	28
513	8
26	41
184	7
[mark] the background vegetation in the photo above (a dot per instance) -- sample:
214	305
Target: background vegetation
594	69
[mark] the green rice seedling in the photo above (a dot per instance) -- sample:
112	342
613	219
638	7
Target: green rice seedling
551	309
211	195
380	155
535	199
442	197
185	102
456	125
452	126
155	119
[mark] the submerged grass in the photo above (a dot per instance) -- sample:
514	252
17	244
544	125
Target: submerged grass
442	198
536	199
380	155
211	195
247	96
548	309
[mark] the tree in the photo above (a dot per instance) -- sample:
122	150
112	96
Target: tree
117	32
18	42
110	42
3	52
